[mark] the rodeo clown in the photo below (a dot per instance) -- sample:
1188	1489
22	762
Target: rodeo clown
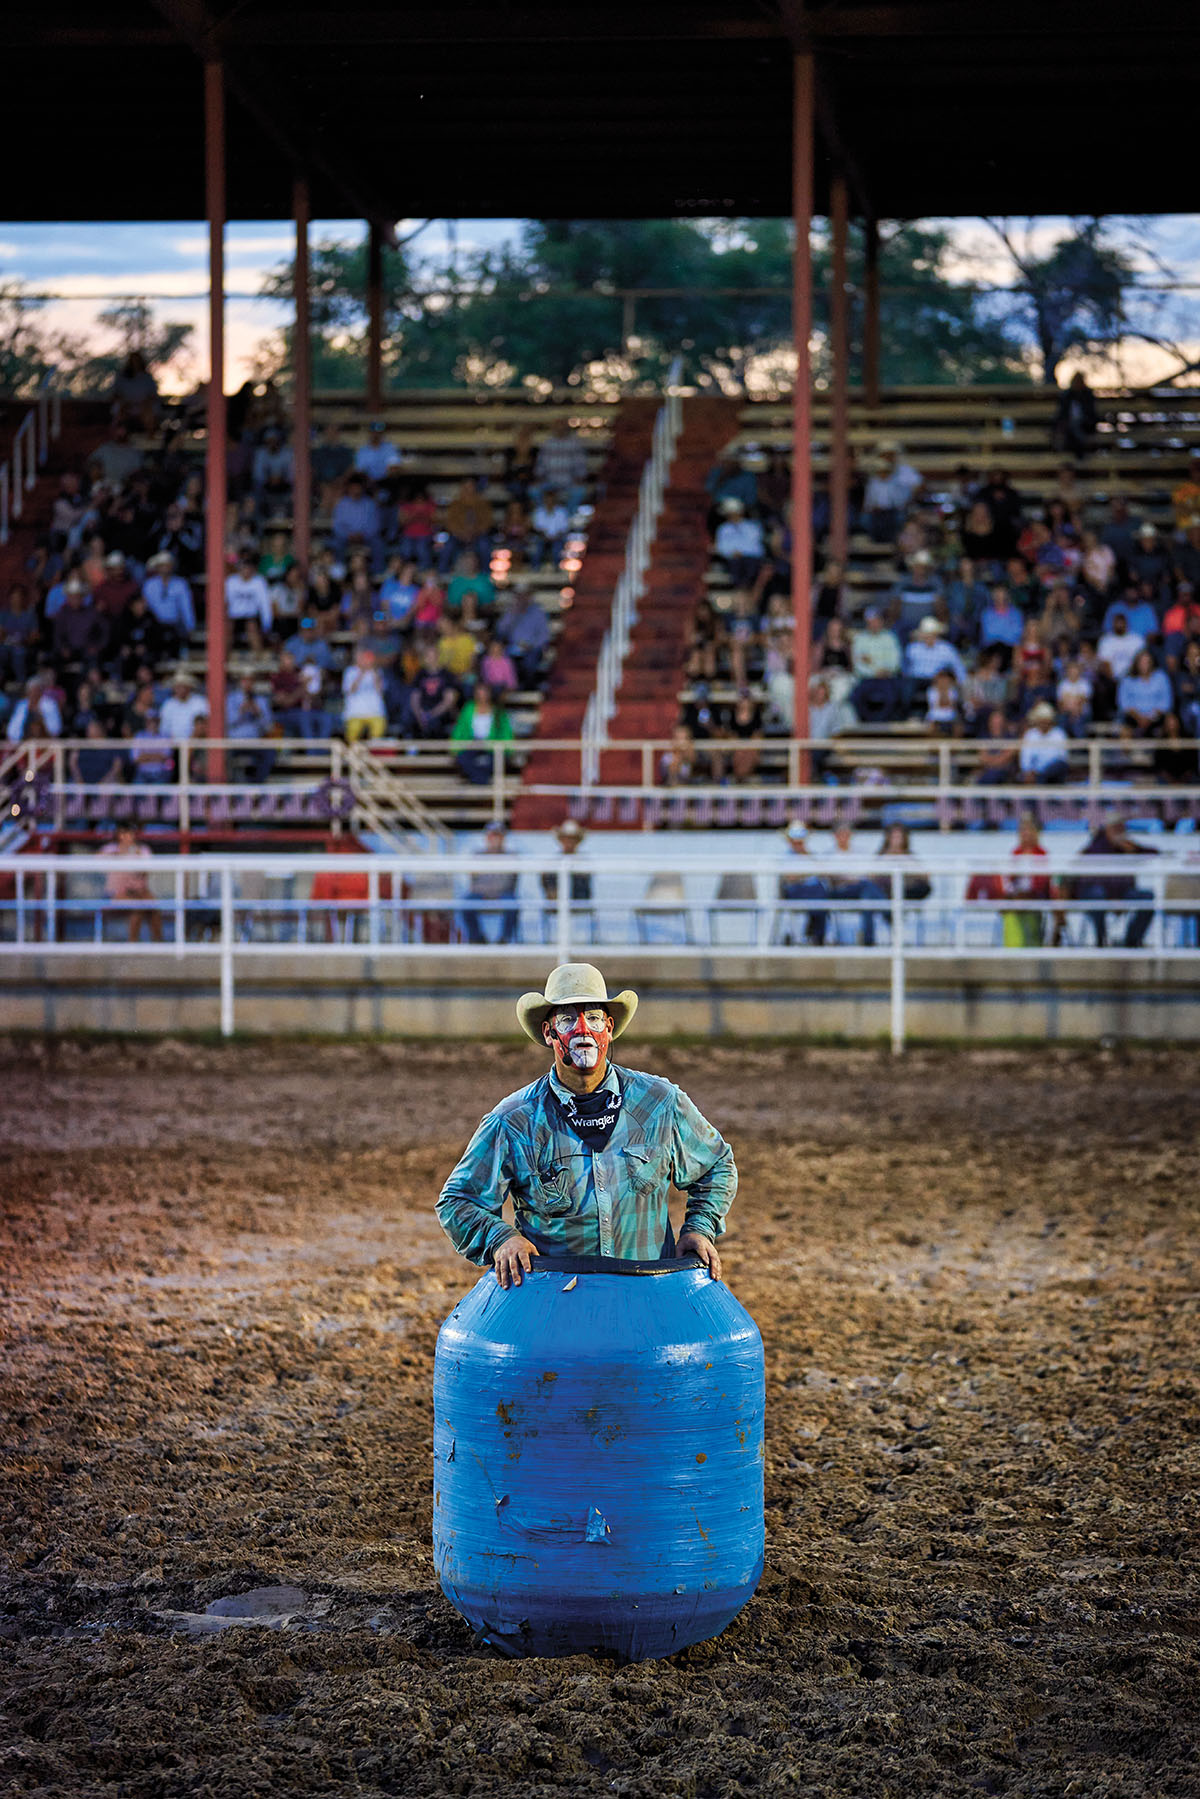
588	1153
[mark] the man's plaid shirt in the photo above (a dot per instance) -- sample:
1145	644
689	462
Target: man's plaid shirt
571	1200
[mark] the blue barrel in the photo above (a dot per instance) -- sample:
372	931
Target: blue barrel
598	1458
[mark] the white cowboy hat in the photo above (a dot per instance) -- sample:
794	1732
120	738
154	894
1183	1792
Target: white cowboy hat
573	984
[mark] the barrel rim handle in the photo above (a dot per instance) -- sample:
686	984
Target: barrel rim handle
613	1265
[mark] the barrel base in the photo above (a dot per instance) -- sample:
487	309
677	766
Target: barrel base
531	1622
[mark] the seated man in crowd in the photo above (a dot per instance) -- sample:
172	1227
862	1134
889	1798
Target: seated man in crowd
927	654
892	487
876	658
524	630
492	895
561	467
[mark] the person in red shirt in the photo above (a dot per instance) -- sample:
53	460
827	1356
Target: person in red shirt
1180	621
417	517
1022	930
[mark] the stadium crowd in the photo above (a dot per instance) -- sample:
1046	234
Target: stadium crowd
416	615
1023	627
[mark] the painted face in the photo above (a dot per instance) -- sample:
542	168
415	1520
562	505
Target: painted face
579	1038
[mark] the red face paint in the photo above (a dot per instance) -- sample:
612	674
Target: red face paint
579	1038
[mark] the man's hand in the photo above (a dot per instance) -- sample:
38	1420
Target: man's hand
513	1254
691	1243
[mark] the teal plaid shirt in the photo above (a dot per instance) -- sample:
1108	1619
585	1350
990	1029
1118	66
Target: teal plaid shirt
571	1200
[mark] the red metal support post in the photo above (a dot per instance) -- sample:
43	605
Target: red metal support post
374	317
870	357
839	347
301	384
802	553
215	469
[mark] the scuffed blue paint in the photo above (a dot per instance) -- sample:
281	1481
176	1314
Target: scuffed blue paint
599	1460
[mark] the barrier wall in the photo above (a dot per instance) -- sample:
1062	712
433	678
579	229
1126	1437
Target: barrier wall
1077	998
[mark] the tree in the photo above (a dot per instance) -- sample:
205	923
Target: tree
1071	297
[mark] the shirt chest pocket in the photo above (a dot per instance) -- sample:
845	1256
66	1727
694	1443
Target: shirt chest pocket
561	1183
640	1171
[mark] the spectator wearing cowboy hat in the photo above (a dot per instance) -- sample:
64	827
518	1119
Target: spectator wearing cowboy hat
169	597
1042	756
739	543
587	1153
568	837
890	490
927	655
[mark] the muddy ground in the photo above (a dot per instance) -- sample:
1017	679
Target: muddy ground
976	1277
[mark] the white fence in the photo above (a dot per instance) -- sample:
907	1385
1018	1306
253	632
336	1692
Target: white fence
893	910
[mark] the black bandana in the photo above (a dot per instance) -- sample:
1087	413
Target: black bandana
591	1116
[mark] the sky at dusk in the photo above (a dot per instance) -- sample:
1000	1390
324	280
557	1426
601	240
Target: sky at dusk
85	265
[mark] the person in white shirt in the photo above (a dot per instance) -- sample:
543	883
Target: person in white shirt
1120	648
364	713
550	521
875	658
889	492
377	457
169	597
1042	756
183	711
248	601
739	543
37	700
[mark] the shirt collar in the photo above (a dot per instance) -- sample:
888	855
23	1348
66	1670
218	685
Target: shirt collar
609	1084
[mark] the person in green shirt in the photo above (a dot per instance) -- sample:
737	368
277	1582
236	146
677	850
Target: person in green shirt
482	720
470	591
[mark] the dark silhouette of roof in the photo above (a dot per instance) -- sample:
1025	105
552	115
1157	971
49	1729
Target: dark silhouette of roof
606	108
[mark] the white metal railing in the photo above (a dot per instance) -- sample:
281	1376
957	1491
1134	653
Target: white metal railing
631	582
794	910
41	425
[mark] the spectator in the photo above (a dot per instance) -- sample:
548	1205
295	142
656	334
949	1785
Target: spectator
37	703
170	599
986	687
739	544
469	523
125	885
1112	839
482	720
151	757
568	837
561	467
1181	621
331	462
1075	417
117	459
979	539
68	511
248	719
81	635
966	596
1097	565
550	523
1119	648
1073	696
457	650
875	658
1026	929
1150	561
1185	500
997	765
117	588
926	654
1187	558
827	717
915	595
308	646
398	591
138	639
498	669
180	715
677	765
296	699
417	517
273	475
745	727
1144	696
1118	533
943	711
343	894
742	636
1042	758
18	634
135	393
1063	614
797	884
433	701
1172	762
1000	624
427	613
356	520
378	457
524	631
492	895
97	763
891	489
364	710
1004	506
248	603
470	590
1187	689
182	539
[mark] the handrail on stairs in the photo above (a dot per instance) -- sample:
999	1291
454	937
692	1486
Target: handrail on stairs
40	427
631	583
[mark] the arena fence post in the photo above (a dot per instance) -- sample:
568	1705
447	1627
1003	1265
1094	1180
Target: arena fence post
226	952
180	914
897	962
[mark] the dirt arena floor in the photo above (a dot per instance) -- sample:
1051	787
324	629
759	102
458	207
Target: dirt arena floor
221	1284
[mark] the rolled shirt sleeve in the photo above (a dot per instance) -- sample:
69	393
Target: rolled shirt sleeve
472	1200
702	1167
